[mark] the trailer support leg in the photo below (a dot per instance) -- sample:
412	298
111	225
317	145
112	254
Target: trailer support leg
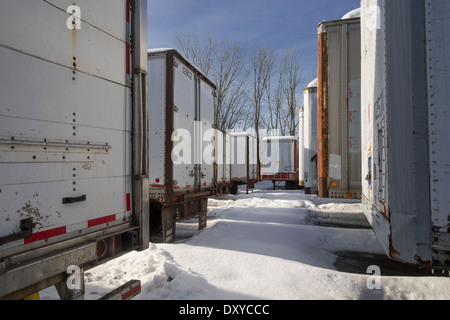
65	293
202	214
169	217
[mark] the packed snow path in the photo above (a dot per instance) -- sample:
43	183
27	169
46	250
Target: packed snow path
271	245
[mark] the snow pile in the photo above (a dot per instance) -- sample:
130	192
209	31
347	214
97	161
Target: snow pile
352	14
271	245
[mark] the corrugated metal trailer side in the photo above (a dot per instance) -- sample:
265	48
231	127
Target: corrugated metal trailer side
310	139
405	155
181	111
72	101
339	159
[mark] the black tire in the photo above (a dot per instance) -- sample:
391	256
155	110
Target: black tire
234	189
155	221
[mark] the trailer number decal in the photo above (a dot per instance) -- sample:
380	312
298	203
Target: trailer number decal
74	21
187	73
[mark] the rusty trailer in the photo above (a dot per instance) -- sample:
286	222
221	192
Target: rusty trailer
339	109
405	122
181	141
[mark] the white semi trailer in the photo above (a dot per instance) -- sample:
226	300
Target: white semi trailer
405	128
339	108
181	140
73	140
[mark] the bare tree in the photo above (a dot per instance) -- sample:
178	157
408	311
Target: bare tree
275	102
224	63
261	65
201	50
229	77
245	96
292	74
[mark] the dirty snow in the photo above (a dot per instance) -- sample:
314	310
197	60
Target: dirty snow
270	245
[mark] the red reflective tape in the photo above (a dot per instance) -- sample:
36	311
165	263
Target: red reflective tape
128	57
128	11
131	292
99	221
45	235
128	201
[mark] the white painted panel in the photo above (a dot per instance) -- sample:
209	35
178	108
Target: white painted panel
220	157
40	90
227	157
438	52
310	143
239	151
64	129
157	118
184	121
32	27
103	14
207	107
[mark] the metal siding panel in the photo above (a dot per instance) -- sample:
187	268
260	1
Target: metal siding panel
336	87
239	150
207	117
101	14
184	119
310	138
407	176
219	155
353	100
227	157
86	48
303	168
340	108
156	105
371	65
287	157
85	101
438	50
253	153
85	110
323	107
395	135
66	113
373	91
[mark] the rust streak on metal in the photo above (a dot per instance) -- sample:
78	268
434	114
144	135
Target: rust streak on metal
323	161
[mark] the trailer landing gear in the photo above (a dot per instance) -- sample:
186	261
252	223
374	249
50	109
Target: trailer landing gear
163	219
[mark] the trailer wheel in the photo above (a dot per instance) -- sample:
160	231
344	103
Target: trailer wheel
291	185
155	221
234	189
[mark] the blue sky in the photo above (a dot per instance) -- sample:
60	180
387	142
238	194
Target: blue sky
279	24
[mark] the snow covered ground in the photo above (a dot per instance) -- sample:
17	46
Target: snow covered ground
269	245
